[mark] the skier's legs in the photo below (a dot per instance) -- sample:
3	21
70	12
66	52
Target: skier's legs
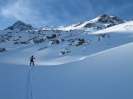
33	62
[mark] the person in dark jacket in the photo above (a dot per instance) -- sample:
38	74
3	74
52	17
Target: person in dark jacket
32	60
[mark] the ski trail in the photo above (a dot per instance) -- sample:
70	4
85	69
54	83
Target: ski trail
30	87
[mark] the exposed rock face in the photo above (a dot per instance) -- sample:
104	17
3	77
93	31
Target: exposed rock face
110	19
104	19
88	25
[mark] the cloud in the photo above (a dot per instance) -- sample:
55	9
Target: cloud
33	12
59	12
48	12
20	10
17	10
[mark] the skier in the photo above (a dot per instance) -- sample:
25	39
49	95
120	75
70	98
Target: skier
32	60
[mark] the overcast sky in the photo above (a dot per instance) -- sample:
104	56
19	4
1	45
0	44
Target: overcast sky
41	13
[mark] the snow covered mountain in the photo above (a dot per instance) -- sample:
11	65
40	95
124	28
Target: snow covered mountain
59	43
100	22
74	41
20	26
67	40
71	62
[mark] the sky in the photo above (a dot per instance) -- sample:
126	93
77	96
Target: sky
41	13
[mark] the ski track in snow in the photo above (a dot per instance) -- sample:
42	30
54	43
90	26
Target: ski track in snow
22	82
30	85
39	81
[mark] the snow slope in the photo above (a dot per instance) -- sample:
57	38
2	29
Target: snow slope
98	67
105	75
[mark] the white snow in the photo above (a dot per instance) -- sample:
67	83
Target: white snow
96	70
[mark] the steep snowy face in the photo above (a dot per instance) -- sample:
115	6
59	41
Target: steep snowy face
20	26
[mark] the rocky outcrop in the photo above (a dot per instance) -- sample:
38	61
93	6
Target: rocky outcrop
20	26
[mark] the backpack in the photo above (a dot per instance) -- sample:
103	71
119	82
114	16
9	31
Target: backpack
32	57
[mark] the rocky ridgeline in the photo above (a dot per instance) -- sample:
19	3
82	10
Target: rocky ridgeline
104	19
112	20
109	19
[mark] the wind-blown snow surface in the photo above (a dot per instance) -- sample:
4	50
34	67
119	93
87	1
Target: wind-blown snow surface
105	75
103	70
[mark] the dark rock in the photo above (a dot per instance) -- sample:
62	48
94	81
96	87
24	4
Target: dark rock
2	50
88	25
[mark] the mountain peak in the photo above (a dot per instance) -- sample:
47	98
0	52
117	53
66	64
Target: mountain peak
19	21
104	18
20	26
